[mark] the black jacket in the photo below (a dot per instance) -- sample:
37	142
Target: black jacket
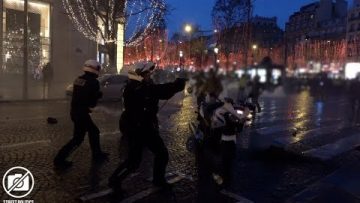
141	100
85	94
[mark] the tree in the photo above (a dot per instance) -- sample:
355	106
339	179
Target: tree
228	16
13	49
98	20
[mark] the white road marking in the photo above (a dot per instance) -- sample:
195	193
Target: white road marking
31	118
235	196
96	195
326	152
25	144
133	198
45	143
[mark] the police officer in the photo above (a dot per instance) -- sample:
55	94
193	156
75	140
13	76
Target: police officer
139	123
86	93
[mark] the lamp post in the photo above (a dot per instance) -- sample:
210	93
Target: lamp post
217	61
181	54
254	48
189	29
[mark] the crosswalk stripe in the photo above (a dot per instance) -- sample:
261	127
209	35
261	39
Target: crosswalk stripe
284	134
273	129
282	125
329	151
283	142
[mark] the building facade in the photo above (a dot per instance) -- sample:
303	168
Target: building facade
51	39
353	32
265	32
324	19
315	35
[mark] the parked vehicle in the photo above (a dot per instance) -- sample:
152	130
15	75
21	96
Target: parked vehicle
111	85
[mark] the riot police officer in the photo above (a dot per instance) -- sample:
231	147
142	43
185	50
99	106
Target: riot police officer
86	92
139	123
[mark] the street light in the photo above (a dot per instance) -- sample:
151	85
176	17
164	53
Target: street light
217	61
254	47
181	54
188	28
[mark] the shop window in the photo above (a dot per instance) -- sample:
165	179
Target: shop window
13	36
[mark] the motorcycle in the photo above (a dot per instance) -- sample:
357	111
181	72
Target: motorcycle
215	133
214	120
240	108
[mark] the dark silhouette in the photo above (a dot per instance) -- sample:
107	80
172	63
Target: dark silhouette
85	96
212	84
255	92
48	74
354	98
139	123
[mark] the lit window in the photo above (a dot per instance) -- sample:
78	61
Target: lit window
38	34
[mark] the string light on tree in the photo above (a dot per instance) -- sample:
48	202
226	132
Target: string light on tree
97	19
108	21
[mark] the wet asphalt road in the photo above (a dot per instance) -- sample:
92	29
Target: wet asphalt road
274	157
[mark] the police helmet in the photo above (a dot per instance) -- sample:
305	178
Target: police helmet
144	68
139	70
92	66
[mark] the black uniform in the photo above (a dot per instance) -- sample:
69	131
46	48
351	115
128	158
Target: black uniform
139	124
85	96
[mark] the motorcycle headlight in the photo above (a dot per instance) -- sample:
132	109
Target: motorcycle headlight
239	112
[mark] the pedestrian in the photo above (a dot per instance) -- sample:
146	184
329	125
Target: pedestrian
212	84
139	123
241	97
354	98
199	93
86	93
48	74
255	92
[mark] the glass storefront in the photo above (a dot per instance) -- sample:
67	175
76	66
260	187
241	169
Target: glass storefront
12	49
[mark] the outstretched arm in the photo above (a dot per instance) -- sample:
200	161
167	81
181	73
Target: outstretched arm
165	91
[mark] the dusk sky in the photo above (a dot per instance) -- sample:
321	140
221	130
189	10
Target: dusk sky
199	11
